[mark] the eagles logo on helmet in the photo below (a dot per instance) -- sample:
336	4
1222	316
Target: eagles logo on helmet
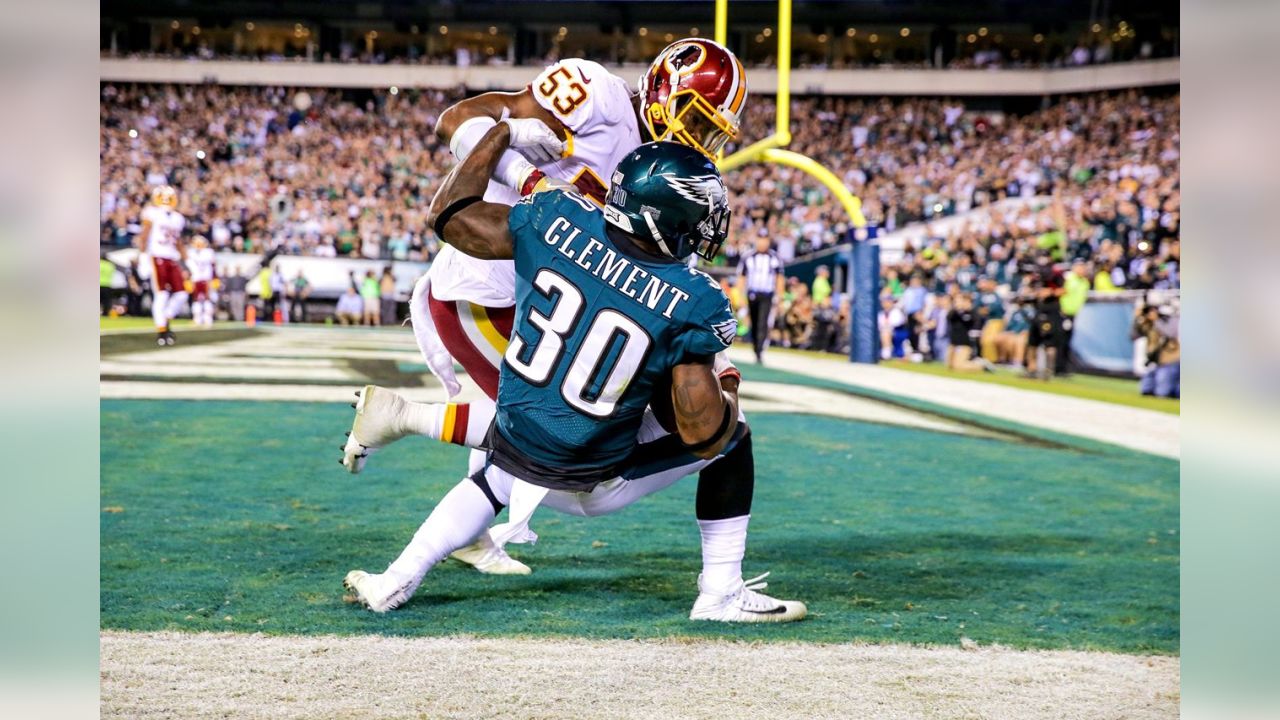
693	93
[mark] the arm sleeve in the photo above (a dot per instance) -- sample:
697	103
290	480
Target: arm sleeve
712	328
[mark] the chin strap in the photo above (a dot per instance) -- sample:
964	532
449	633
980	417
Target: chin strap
657	236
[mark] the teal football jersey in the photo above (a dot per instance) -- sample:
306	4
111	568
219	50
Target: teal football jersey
597	328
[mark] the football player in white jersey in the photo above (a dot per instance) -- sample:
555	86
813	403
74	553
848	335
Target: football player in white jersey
202	263
161	240
571	125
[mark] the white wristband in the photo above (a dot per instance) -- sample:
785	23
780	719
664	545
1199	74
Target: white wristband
468	135
512	169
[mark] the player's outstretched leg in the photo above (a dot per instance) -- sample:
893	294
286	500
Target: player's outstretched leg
460	516
383	417
725	490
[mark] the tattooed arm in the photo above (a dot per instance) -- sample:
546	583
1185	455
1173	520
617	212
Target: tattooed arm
706	409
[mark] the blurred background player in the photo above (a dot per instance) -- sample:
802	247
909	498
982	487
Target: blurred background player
202	263
161	234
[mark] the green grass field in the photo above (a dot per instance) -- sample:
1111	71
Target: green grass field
235	516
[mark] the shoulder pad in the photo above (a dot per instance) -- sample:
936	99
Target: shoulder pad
580	93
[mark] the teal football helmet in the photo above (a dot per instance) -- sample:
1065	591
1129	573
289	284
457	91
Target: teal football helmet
672	193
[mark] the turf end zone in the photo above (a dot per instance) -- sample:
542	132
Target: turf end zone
237	675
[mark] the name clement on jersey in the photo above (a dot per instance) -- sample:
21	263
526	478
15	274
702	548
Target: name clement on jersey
616	270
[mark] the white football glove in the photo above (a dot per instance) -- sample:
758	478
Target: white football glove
535	141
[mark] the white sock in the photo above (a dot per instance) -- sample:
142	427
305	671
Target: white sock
462	515
458	423
160	309
175	304
724	543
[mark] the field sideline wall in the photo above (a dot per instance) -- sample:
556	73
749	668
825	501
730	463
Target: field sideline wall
884	81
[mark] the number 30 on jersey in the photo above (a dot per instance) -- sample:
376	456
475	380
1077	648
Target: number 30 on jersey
583	386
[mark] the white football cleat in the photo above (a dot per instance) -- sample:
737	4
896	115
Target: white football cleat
377	423
379	593
489	559
744	604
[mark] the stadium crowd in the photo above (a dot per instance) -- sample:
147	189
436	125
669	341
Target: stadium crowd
319	174
324	173
264	169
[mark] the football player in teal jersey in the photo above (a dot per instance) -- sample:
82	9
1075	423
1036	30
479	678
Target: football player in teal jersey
606	313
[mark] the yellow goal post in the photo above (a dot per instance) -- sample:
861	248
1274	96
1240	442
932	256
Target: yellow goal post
772	149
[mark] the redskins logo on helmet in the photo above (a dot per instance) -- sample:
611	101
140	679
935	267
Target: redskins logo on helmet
693	93
165	196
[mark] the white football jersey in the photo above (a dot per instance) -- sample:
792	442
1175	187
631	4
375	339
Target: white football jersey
201	264
598	110
166	229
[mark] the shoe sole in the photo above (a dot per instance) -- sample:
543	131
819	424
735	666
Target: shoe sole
353	447
799	614
356	597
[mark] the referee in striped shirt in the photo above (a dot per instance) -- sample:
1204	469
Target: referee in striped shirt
760	275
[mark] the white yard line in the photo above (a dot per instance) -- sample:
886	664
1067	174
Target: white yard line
246	369
141	390
1145	430
253	676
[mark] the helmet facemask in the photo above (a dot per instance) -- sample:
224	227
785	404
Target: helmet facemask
687	118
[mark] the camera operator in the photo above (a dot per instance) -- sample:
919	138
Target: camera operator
1042	289
963	330
825	328
1158	325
